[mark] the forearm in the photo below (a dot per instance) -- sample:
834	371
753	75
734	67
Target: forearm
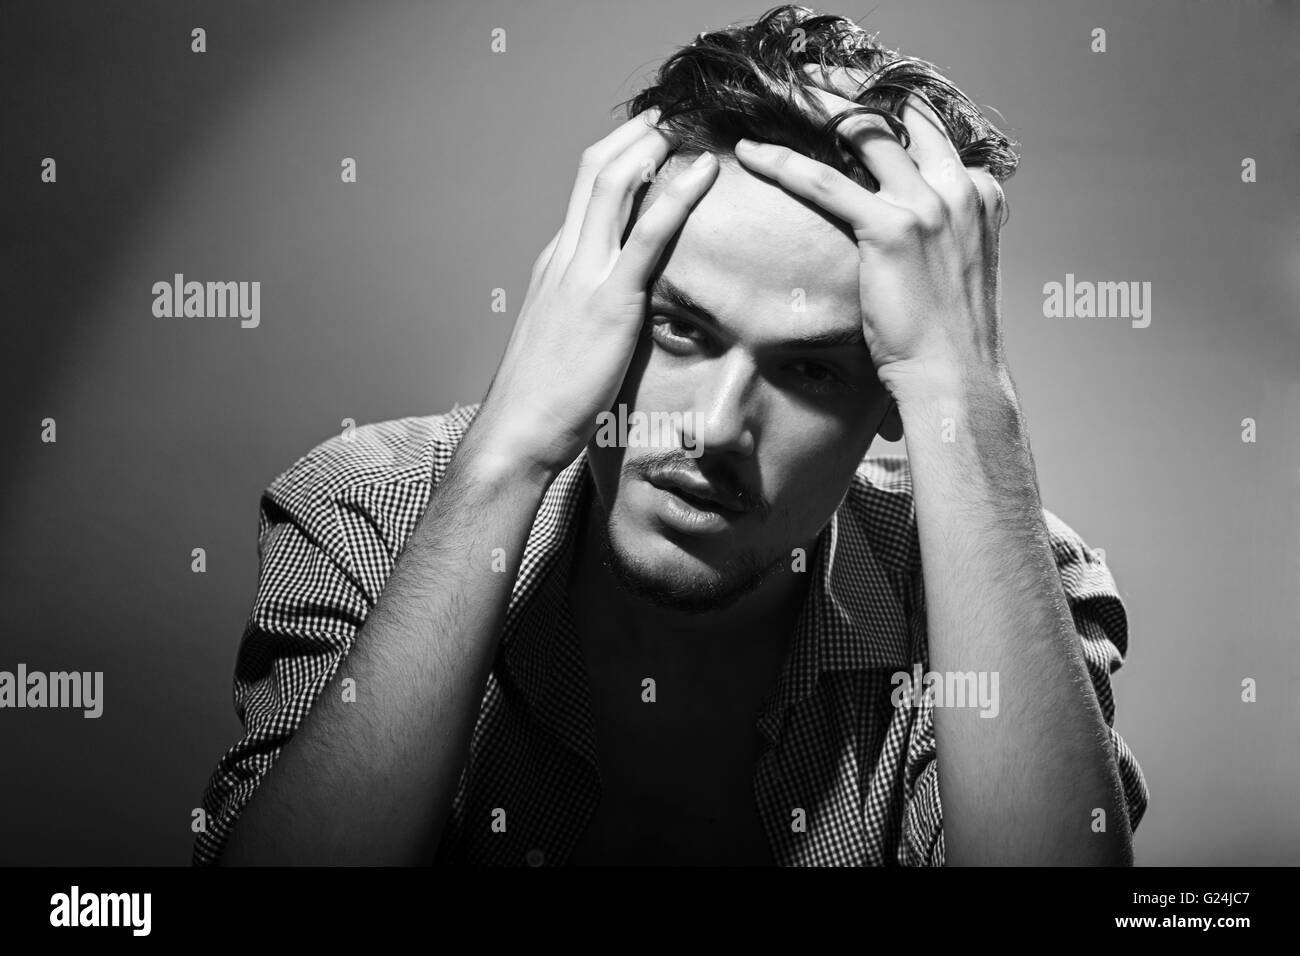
372	781
1022	786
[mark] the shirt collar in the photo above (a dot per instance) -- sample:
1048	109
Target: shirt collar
870	624
543	660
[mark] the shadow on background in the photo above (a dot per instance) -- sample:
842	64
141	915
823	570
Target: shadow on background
376	304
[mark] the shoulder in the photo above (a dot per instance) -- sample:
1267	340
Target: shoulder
412	450
879	501
356	498
885	474
352	501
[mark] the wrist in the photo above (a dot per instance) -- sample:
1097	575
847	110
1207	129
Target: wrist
488	457
925	386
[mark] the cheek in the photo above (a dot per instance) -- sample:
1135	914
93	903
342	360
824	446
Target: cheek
813	458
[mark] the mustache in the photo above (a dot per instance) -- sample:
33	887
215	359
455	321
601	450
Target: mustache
726	481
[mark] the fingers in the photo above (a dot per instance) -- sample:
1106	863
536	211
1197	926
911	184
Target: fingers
610	205
544	259
935	155
594	158
893	166
928	177
992	196
656	227
845	82
881	152
819	184
971	195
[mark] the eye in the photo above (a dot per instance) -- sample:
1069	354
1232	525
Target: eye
676	335
816	377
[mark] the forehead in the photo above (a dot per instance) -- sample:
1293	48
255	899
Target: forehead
748	244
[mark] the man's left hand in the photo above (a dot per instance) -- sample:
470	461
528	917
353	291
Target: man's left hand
928	244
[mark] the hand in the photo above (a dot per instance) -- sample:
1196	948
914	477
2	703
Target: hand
585	306
928	245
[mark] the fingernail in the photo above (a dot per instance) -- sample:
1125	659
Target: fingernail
702	160
745	144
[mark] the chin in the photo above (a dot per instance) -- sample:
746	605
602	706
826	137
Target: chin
651	566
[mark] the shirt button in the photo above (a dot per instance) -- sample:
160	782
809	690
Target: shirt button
535	857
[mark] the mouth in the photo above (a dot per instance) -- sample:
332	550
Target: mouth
698	494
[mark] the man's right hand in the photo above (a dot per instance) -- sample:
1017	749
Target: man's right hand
585	306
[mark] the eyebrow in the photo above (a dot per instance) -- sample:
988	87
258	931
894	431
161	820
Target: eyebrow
663	288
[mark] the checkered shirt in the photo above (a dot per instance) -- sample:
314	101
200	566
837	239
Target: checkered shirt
835	746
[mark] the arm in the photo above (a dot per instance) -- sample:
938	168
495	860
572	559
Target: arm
374	784
1101	623
428	644
1020	787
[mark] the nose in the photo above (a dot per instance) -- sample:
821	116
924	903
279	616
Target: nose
723	422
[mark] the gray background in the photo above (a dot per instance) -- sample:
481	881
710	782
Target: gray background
376	304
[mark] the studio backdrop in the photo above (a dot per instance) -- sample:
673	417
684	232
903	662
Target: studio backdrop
382	170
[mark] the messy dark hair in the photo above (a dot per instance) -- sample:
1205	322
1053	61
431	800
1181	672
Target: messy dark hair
743	81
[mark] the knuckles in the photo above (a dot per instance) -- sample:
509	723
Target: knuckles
861	126
928	215
967	198
824	179
778	157
992	199
593	157
606	181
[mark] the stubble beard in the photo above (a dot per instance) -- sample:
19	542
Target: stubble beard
678	590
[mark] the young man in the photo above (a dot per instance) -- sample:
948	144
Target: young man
648	602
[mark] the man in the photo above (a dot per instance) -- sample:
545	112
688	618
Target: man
542	631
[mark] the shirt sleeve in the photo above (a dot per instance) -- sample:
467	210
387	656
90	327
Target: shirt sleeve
1102	625
305	617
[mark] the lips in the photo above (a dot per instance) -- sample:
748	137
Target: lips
696	491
